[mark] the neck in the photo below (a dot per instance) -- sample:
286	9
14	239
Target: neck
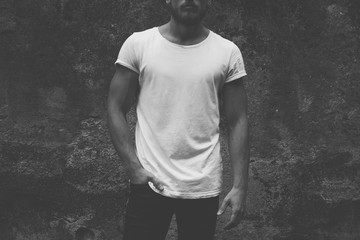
183	34
186	33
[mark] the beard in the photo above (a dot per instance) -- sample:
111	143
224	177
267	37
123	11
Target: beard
189	19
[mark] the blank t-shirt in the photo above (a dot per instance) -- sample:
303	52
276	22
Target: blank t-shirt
177	133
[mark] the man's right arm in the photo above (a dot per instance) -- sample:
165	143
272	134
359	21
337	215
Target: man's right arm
121	95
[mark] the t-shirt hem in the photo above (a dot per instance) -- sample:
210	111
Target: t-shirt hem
236	76
127	65
187	195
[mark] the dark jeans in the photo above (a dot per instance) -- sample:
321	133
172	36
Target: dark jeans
148	216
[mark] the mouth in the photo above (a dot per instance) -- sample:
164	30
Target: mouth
192	8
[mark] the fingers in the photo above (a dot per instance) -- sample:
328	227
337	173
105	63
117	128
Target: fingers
224	205
142	176
156	182
236	216
234	220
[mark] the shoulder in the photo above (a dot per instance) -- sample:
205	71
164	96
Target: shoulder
224	43
142	36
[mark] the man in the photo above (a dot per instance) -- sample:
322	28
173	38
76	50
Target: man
181	69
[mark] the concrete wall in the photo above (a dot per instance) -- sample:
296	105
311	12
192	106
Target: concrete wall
59	171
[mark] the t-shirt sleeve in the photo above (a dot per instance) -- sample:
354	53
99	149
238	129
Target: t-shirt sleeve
236	68
128	55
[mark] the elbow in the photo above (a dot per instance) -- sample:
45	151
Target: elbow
114	109
113	113
109	118
240	122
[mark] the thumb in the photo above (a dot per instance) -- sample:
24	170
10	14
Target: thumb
224	205
156	182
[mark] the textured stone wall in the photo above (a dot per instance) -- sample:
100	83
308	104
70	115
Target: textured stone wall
60	176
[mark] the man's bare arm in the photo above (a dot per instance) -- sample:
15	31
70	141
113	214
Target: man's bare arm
235	108
121	97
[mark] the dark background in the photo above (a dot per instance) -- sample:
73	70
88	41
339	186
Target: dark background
59	171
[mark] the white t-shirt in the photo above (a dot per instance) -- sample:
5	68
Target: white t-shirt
177	133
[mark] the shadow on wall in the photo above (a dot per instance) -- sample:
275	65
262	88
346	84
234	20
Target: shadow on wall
84	233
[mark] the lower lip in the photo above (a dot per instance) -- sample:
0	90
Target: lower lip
193	9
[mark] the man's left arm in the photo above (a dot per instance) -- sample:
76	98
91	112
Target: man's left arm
235	109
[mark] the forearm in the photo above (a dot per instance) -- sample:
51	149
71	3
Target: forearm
121	139
239	153
235	106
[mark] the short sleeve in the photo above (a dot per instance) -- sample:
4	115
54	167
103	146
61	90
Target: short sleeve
128	54
236	68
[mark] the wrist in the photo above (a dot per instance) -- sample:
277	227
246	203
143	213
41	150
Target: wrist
240	183
134	168
240	192
240	188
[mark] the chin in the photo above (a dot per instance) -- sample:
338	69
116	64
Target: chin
188	19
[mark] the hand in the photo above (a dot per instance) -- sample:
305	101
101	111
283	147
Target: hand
142	176
236	199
